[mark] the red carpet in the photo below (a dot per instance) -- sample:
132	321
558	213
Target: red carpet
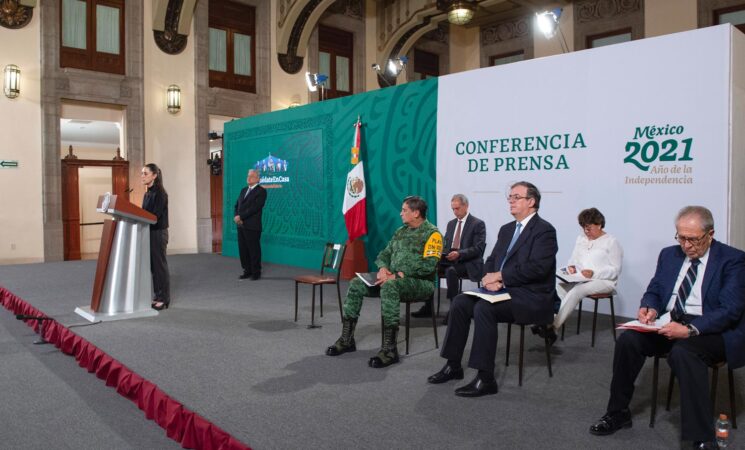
182	425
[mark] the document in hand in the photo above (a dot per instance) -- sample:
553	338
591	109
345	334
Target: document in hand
564	275
641	327
490	296
369	278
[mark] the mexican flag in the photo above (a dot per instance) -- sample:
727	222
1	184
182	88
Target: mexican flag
354	207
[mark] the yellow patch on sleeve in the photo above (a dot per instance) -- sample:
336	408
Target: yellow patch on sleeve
433	247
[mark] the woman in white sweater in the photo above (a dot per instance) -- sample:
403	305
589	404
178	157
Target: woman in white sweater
597	256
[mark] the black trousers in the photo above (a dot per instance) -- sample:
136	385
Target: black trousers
453	274
159	266
486	316
249	248
689	359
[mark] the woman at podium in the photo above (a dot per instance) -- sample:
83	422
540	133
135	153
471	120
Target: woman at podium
156	202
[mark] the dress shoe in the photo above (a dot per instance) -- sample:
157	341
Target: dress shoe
446	374
445	320
552	336
159	306
245	276
611	422
477	388
424	311
546	331
256	276
712	445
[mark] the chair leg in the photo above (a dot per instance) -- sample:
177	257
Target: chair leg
509	337
670	386
732	407
548	356
714	382
655	380
579	315
296	283
320	287
612	318
408	315
434	328
594	322
563	327
439	281
313	308
341	309
520	359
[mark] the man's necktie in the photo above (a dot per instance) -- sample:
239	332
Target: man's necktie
512	243
456	239
684	291
248	191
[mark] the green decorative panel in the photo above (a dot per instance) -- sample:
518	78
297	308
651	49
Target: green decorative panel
305	152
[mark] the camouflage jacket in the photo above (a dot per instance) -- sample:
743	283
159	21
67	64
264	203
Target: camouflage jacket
413	251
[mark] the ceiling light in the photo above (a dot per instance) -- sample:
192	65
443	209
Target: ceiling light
460	13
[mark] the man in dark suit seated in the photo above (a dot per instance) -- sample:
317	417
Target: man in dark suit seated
463	254
523	263
698	293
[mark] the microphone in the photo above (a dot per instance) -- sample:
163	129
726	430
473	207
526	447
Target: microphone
27	317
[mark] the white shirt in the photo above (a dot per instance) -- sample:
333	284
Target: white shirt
602	255
524	222
462	225
695	299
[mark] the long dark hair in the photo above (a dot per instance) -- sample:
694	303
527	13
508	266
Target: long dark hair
158	182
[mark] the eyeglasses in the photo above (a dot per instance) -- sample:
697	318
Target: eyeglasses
682	240
515	197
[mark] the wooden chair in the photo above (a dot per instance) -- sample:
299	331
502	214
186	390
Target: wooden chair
333	256
596	297
522	351
713	390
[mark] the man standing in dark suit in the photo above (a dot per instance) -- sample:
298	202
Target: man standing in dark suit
698	293
248	209
523	263
463	255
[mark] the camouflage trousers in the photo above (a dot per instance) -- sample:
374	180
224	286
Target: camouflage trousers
391	293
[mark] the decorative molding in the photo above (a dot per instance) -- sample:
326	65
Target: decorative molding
169	40
441	34
290	61
592	10
350	8
505	31
13	15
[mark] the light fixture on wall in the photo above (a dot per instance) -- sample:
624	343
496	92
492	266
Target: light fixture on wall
460	12
314	81
12	83
173	99
548	23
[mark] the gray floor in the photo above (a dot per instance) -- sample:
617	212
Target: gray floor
230	351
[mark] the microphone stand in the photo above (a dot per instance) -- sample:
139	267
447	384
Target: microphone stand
40	320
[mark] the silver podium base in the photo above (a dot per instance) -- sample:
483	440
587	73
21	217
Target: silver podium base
87	313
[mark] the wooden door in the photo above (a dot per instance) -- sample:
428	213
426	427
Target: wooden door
216	210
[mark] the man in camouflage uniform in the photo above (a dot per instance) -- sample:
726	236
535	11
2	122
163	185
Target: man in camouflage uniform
407	270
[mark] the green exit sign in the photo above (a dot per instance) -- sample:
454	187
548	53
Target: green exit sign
8	164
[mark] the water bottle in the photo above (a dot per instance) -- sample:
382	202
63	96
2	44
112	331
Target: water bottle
722	431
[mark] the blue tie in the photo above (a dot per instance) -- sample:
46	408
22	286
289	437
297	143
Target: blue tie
679	309
512	244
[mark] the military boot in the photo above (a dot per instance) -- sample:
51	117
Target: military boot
388	353
346	342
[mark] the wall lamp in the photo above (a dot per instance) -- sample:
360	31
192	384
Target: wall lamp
548	23
12	83
173	99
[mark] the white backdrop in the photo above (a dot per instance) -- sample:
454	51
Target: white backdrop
583	127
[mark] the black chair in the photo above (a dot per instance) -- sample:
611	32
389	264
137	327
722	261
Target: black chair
407	321
333	256
440	277
713	390
522	351
596	297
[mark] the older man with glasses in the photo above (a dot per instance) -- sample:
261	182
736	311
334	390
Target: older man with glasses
697	298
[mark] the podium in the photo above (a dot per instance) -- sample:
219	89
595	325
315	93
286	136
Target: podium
123	283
